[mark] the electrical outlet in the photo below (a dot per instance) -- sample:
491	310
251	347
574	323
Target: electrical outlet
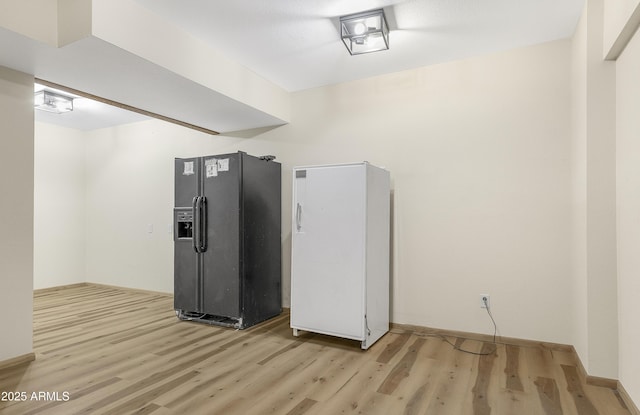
485	301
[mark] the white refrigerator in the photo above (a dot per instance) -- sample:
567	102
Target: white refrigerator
340	251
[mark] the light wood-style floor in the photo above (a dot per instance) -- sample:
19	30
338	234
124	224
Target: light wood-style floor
118	351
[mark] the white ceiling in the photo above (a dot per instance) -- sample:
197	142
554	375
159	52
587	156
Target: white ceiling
296	43
293	43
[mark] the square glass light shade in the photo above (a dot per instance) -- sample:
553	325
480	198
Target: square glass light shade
365	32
52	102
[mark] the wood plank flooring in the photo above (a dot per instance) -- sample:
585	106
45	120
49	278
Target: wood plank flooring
104	350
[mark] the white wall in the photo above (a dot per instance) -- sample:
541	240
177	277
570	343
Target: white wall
628	200
479	154
59	216
593	188
37	19
16	213
580	324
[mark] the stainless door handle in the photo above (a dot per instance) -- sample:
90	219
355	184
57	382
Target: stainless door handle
298	217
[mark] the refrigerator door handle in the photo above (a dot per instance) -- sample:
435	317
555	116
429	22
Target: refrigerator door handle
298	217
196	224
203	224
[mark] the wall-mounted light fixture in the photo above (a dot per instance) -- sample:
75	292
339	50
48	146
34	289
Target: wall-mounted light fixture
365	32
52	102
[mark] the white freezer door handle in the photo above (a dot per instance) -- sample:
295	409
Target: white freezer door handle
298	217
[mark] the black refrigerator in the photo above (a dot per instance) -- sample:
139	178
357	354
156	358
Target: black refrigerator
227	239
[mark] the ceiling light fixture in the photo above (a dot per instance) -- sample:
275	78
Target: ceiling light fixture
365	32
52	102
